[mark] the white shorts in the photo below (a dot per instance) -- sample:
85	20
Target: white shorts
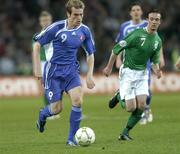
42	66
132	83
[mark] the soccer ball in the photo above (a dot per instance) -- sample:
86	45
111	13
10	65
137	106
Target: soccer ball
85	136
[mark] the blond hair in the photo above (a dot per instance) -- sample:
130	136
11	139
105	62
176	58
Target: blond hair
78	4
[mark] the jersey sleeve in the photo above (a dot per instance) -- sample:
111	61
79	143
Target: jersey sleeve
88	44
47	35
123	44
120	35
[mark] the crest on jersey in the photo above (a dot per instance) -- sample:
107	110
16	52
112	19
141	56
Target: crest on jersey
81	37
156	45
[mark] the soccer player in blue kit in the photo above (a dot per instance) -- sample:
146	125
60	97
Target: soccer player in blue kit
62	70
126	28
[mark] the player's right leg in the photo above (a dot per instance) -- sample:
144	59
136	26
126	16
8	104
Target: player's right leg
117	96
48	111
53	93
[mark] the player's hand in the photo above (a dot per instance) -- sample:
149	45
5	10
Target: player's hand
162	64
177	65
40	80
90	82
107	71
158	73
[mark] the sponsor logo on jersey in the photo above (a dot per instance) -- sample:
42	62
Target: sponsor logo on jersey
123	43
74	33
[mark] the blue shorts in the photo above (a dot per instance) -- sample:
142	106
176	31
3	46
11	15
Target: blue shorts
60	78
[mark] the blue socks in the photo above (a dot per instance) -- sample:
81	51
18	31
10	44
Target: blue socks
75	119
148	100
44	113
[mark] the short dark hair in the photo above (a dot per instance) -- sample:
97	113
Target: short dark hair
45	14
134	4
153	10
78	4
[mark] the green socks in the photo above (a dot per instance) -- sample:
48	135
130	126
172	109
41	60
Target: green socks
122	103
133	120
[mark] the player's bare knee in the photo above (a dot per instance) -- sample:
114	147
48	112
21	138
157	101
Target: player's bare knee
77	100
142	106
130	105
131	109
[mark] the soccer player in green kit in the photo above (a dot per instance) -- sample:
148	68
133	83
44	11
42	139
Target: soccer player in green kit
140	46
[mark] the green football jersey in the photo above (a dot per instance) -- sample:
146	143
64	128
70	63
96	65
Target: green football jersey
42	52
139	46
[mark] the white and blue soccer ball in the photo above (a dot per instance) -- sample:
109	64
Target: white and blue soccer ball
85	136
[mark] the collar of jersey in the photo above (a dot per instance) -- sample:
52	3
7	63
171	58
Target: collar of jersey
142	21
145	29
65	26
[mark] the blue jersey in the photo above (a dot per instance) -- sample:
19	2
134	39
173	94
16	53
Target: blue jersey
128	27
62	44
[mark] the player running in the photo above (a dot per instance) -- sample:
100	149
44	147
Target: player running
140	46
125	28
61	73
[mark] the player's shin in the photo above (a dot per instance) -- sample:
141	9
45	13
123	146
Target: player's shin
133	120
75	119
148	100
45	112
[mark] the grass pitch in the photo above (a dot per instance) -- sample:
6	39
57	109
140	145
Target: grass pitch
18	133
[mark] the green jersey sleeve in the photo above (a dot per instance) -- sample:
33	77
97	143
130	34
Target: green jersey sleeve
123	44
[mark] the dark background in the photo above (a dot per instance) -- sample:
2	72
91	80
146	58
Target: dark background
19	21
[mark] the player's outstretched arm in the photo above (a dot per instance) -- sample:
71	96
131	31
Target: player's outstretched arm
156	70
89	79
178	63
36	60
108	69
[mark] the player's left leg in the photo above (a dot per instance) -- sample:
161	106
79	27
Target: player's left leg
135	117
147	114
130	107
76	95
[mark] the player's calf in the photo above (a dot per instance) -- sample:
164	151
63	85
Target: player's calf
56	107
46	112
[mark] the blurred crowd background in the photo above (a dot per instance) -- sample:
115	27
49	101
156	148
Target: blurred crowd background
19	22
